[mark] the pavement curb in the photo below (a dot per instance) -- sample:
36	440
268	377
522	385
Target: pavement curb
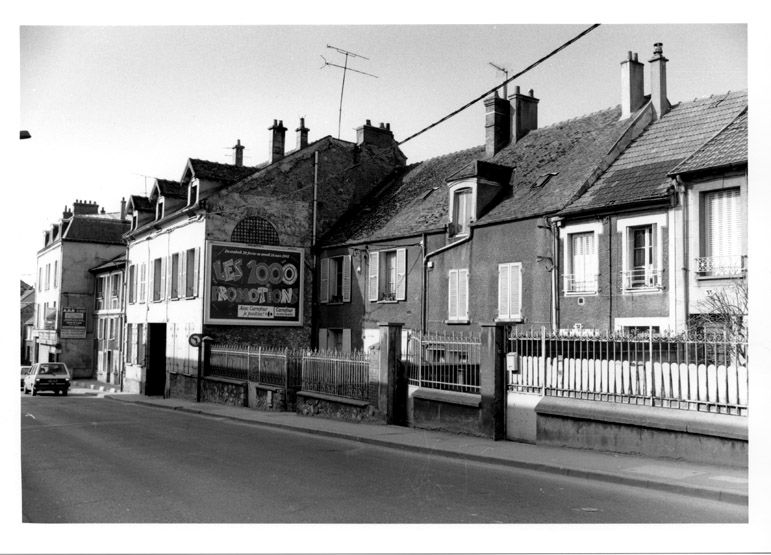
693	491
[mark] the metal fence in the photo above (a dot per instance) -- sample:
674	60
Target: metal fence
704	373
447	362
336	373
275	367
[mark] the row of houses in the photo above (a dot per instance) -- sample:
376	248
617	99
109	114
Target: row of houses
631	219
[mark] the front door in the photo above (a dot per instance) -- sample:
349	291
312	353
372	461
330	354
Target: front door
155	381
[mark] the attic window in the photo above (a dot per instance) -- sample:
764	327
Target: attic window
192	194
159	209
134	219
543	180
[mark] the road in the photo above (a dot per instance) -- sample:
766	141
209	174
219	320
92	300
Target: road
96	460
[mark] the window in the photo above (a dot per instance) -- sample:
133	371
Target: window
142	282
582	263
48	277
510	291
191	272
129	344
40	279
101	292
335	280
462	211
132	284
134	219
56	273
158	279
192	197
642	270
140	344
115	287
335	339
721	234
641	331
458	296
175	276
388	275
159	209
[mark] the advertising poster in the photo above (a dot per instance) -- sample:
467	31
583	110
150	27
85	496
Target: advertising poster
254	285
73	323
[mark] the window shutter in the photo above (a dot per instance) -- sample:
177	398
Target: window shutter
169	276
374	268
324	283
347	340
452	311
347	279
463	294
401	274
182	288
722	223
196	264
151	281
135	343
503	290
515	291
322	338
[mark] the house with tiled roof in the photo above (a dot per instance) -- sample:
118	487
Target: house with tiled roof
641	245
64	319
108	316
26	320
228	250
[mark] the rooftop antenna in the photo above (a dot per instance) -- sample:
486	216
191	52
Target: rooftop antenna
345	69
506	79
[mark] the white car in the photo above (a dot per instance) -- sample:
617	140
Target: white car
47	376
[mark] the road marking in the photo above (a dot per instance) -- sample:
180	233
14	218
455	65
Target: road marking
30	415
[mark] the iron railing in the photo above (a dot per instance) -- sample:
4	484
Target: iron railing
447	362
575	283
703	373
275	367
642	278
336	373
721	266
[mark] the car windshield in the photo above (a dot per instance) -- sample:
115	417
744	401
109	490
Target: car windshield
25	370
52	370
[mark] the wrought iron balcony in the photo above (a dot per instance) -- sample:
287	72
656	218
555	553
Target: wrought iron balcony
721	266
575	283
642	278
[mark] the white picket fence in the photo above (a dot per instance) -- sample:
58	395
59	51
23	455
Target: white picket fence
704	374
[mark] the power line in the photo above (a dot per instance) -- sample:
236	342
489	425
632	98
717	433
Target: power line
486	93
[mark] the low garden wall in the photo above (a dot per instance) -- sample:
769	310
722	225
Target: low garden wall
448	411
310	403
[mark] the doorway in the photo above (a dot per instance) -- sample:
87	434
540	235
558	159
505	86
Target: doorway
155	380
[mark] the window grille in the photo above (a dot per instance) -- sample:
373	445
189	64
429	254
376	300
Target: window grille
255	231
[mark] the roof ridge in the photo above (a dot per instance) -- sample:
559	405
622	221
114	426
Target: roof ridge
447	154
576	118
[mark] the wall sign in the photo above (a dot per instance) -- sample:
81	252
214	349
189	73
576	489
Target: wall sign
253	285
73	323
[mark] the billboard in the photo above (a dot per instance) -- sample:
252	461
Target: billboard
248	285
73	323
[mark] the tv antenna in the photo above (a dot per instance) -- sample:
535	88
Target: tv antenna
345	69
506	78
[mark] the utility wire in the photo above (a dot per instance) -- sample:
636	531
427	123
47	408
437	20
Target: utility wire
483	95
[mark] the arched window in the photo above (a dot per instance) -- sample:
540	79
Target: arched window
255	231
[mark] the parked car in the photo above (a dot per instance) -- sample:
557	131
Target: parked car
24	372
47	376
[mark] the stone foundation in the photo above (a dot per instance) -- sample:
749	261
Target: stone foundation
224	391
328	406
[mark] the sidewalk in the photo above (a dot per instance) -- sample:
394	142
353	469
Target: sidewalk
712	482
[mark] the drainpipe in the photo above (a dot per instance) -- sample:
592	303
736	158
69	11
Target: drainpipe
555	293
425	262
423	243
681	188
314	253
610	272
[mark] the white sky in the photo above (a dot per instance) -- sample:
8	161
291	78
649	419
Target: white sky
109	105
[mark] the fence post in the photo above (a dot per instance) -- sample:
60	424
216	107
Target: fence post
542	370
393	383
492	380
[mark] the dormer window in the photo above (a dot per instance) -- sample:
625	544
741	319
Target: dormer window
192	192
159	209
462	211
134	219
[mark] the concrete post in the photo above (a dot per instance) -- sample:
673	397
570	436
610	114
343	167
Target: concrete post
492	381
392	397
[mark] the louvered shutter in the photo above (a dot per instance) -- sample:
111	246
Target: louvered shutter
503	290
346	340
324	282
183	274
463	294
401	274
515	291
722	223
374	268
169	277
196	263
452	309
346	278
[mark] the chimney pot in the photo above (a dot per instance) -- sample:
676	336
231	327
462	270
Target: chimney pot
381	136
239	156
302	135
369	122
524	114
497	124
277	138
658	77
632	85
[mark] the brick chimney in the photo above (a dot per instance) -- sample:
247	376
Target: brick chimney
632	85
302	135
239	148
85	207
658	65
497	123
524	114
278	135
376	136
67	213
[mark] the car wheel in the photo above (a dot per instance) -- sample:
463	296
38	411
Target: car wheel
65	391
34	391
26	391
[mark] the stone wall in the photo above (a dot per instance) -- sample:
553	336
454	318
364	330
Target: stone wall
267	398
182	386
313	404
447	411
224	391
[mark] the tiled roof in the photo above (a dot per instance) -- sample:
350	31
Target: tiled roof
141	204
412	202
171	189
96	230
417	200
727	148
119	260
640	172
222	173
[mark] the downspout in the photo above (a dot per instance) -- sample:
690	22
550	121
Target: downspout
425	262
423	243
684	234
610	272
125	320
555	293
314	253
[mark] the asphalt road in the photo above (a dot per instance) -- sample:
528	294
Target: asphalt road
95	460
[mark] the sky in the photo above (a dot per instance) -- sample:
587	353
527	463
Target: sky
111	107
115	94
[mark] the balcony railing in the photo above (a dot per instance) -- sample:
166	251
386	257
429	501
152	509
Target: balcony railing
721	266
575	283
642	278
